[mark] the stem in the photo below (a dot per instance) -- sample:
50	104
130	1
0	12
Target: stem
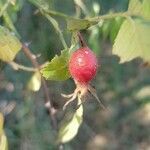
83	7
4	7
59	14
16	66
8	20
78	10
111	16
94	19
81	40
56	26
48	102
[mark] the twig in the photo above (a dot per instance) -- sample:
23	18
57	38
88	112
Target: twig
111	16
48	103
16	66
81	40
95	20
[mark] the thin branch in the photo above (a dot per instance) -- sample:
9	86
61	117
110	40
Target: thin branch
93	19
48	11
48	103
57	28
111	16
83	7
16	66
59	14
30	55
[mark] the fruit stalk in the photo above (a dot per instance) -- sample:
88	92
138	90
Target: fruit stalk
81	40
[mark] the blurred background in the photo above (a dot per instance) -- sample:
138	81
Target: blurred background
123	88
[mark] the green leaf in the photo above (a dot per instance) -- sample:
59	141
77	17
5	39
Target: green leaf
9	45
105	29
57	68
133	41
69	129
34	83
114	27
78	24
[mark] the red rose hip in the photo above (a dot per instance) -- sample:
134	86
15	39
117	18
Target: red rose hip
83	65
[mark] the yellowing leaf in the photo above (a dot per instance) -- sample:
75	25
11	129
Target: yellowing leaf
144	92
70	129
141	8
57	68
9	45
3	142
1	123
3	139
13	2
135	6
133	40
34	83
146	9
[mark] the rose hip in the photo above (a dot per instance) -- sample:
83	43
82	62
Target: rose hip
83	65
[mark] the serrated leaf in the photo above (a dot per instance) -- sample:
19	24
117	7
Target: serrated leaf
9	45
34	83
133	41
3	142
69	130
57	68
78	24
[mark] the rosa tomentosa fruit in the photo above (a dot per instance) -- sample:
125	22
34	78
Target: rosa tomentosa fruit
83	65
